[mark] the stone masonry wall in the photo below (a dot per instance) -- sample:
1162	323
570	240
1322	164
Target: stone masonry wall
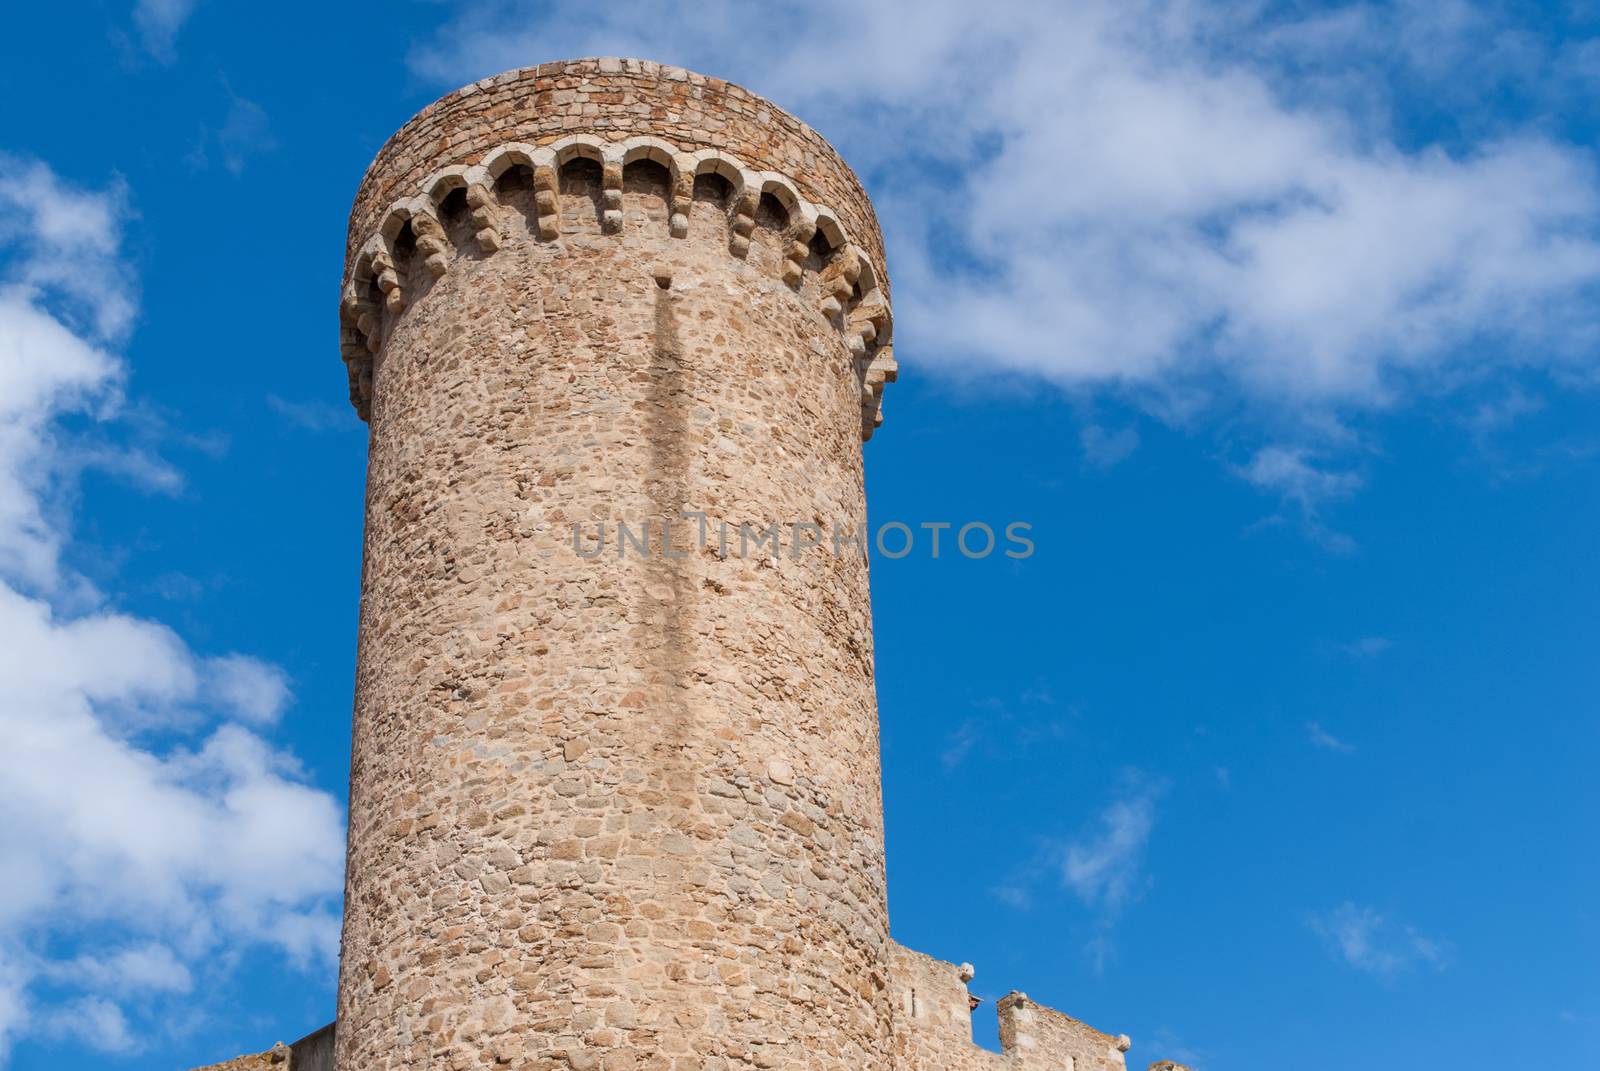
933	1026
611	811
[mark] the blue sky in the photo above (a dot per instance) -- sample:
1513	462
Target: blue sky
1276	321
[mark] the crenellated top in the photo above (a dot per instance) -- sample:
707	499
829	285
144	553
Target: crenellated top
611	99
458	211
932	1026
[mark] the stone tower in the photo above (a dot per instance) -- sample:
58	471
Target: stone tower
614	804
619	331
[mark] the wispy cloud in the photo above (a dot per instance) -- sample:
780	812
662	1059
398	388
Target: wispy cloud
139	969
1025	719
1501	412
959	743
1170	1047
94	1022
1294	475
314	415
1104	866
1013	895
1362	938
246	132
158	22
1326	740
1104	448
1367	647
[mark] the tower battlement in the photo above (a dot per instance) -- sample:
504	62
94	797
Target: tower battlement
933	1012
489	164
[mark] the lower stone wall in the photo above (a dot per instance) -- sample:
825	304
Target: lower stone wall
314	1052
274	1059
933	1017
933	1026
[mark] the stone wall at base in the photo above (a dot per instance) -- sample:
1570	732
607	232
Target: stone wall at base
314	1052
274	1059
933	1011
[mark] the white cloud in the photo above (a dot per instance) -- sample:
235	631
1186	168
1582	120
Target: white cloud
317	415
255	691
1320	737
1295	476
146	968
165	853
959	743
1105	867
65	244
1291	472
1103	448
1367	647
1187	203
45	370
1364	939
92	1021
1017	897
159	22
245	132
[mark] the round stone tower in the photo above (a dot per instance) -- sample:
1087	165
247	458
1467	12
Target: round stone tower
615	794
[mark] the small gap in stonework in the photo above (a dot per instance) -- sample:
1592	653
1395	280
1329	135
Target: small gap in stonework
453	217
405	243
405	259
713	188
581	206
374	299
646	188
772	222
821	252
514	180
986	1028
771	213
514	190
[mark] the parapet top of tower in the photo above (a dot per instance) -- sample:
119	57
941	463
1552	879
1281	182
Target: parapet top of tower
614	112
